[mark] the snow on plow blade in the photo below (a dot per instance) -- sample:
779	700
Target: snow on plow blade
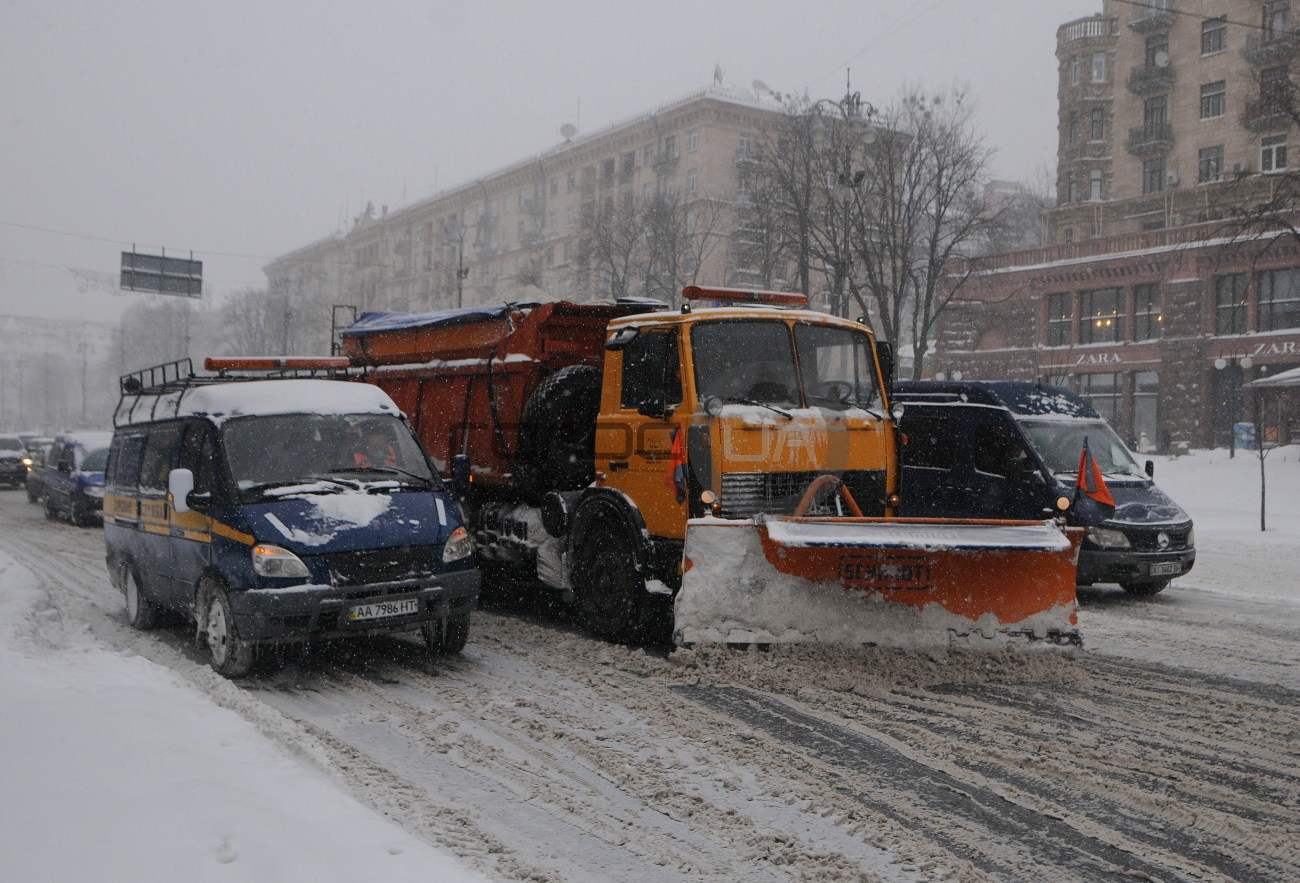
876	581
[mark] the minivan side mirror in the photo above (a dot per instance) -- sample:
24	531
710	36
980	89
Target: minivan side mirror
180	482
460	475
1151	469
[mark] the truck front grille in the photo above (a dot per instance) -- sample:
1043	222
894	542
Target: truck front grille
379	565
778	493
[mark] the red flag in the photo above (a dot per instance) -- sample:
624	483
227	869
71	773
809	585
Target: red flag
1090	482
676	474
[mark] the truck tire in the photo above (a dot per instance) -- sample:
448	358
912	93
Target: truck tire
228	654
558	432
607	577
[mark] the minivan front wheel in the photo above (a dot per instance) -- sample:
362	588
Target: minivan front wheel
228	654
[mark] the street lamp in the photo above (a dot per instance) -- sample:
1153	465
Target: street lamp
1238	364
455	230
853	117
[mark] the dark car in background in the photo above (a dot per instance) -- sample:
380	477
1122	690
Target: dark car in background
74	477
13	471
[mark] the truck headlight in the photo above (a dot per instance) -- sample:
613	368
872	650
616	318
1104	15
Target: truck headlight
1191	538
1107	538
458	546
275	561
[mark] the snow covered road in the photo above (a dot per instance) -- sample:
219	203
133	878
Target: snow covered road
1166	750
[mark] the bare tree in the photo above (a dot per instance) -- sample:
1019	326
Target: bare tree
248	323
612	246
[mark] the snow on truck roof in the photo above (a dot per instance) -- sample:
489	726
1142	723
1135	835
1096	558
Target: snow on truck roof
250	398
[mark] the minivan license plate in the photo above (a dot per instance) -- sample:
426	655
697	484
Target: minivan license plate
383	609
1173	567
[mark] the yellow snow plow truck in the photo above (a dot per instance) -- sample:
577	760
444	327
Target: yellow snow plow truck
735	462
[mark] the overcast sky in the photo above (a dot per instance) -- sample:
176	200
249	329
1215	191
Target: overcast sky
241	131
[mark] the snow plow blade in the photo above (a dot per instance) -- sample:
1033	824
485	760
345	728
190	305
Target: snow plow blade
891	582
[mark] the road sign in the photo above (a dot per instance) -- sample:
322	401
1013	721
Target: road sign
161	274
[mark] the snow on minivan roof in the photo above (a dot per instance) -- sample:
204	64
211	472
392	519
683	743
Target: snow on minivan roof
253	398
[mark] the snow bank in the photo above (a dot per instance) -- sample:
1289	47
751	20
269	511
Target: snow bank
114	770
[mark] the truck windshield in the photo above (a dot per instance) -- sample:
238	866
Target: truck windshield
1059	442
283	450
754	361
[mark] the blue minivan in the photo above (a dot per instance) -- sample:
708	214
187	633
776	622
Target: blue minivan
281	510
74	477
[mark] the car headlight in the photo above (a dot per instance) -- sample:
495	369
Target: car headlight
1191	538
275	561
27	461
95	491
458	546
1107	538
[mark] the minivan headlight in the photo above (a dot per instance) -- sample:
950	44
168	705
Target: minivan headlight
1191	538
275	561
1107	538
458	546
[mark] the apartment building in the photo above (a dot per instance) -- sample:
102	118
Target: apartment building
516	234
1172	117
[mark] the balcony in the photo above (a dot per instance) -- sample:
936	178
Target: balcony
1147	20
1147	78
1271	47
1092	27
1150	139
1269	112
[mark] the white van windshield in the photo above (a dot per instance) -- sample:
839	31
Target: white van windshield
1059	442
285	450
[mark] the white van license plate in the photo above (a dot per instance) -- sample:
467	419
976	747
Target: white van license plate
383	609
1173	567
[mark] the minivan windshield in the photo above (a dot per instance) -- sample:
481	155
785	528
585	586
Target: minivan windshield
284	450
1060	441
753	361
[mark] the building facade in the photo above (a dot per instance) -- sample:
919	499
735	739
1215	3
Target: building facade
526	232
1152	297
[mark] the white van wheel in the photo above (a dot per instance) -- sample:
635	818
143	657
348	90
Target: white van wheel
141	612
228	654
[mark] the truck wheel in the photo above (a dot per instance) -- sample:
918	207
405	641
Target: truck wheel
141	611
228	654
558	431
1149	587
610	588
447	637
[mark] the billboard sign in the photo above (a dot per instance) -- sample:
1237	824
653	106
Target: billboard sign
161	274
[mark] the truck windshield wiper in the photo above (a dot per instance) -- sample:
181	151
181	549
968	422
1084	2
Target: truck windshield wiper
739	401
264	486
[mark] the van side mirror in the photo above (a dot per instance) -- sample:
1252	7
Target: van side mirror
461	479
1151	469
180	482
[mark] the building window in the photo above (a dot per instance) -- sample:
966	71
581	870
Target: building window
1101	316
1094	185
1099	67
568	216
1072	128
1277	19
1146	396
1279	299
1104	392
627	165
670	147
1272	153
1230	304
1214	35
1060	318
648	155
1153	175
1213	99
1157	50
1074	70
1073	179
1155	116
1097	132
570	182
1148	320
693	181
607	171
1210	164
692	140
555	185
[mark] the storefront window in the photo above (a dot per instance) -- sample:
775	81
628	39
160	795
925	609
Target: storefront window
1101	314
1146	392
1230	304
1060	316
1103	390
1279	299
1148	320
